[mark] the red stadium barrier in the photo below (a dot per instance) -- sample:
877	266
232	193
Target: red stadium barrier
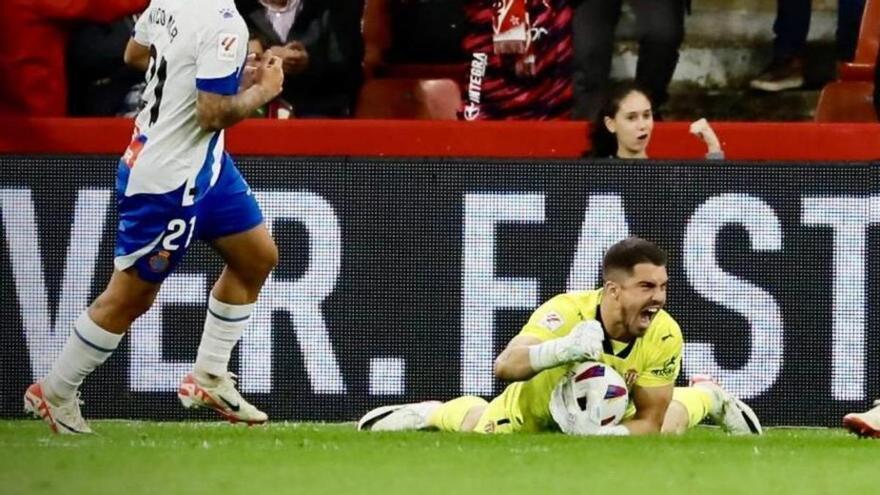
365	138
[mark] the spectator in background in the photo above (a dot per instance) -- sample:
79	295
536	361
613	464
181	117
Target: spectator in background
321	47
625	123
786	70
660	26
520	59
33	34
99	82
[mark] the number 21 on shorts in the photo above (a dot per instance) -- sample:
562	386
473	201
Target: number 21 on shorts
176	228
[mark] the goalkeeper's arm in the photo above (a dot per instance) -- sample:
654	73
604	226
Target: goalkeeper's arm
526	356
651	405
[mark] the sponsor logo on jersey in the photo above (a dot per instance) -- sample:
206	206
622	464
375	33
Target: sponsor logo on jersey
227	48
552	321
475	85
668	368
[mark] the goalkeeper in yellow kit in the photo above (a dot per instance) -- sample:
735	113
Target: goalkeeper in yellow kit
623	325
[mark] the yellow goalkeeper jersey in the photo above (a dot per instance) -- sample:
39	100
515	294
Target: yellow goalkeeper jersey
654	358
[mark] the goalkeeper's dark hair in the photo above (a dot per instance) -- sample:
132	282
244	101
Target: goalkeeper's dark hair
602	141
626	254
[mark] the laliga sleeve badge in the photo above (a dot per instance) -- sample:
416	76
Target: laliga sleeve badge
227	47
552	321
159	262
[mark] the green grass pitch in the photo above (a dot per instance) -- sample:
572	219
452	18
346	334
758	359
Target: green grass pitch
128	458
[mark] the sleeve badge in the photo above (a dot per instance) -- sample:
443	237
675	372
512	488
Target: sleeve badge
552	321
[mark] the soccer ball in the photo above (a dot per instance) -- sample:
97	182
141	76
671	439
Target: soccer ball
590	376
591	394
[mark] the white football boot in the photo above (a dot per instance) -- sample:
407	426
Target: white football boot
400	417
64	418
731	414
866	424
221	396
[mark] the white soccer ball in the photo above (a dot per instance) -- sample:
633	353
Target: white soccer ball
612	389
591	395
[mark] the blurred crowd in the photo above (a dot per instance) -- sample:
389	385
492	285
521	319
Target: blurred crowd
511	59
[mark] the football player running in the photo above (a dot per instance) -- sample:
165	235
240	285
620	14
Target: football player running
623	325
175	183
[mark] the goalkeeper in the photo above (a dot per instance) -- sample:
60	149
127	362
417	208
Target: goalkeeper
623	325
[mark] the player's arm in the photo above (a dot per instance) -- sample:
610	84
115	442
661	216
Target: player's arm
651	404
136	56
215	111
513	363
527	355
652	391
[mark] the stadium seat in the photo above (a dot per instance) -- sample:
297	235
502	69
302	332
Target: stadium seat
408	98
851	98
862	66
846	101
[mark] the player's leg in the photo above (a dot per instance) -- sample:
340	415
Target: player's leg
706	398
460	414
153	234
500	416
230	219
689	407
96	334
399	417
866	424
677	419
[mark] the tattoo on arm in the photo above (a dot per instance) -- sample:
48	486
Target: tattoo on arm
215	112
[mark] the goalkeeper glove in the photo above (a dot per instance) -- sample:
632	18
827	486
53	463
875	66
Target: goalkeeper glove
584	343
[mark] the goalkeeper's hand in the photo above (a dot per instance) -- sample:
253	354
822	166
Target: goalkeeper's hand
583	343
568	414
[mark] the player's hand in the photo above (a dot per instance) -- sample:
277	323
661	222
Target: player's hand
270	77
583	343
571	419
297	60
704	131
294	57
249	74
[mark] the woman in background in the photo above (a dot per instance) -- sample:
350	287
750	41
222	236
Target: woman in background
625	123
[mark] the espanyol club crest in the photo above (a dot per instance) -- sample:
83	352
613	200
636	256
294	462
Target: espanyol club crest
159	262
